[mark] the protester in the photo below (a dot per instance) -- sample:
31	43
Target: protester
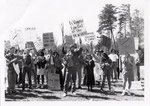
50	67
41	64
97	59
106	65
137	63
114	59
27	68
71	62
11	59
127	72
89	66
59	67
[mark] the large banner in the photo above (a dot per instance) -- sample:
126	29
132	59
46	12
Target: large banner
126	45
90	37
48	40
77	27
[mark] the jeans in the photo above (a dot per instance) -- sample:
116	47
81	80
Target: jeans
70	75
108	80
28	71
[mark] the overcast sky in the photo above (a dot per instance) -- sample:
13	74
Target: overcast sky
47	15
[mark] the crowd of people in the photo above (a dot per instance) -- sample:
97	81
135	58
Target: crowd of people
74	65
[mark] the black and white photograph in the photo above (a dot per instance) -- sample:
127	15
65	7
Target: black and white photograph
73	50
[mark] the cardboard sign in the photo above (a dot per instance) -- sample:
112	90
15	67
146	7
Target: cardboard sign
48	40
30	45
69	40
16	67
126	45
77	27
38	44
7	44
90	37
53	81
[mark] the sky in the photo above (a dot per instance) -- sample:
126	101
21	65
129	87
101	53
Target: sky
48	15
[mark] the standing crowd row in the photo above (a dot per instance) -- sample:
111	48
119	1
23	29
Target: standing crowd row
75	67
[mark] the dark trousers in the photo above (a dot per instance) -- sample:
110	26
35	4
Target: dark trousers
11	80
38	79
70	75
138	71
28	71
58	71
108	80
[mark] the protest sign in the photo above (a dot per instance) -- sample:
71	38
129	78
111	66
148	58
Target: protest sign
48	40
16	67
7	44
38	44
126	45
105	41
77	27
53	81
89	37
30	45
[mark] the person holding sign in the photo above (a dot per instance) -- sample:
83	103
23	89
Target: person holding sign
50	64
71	62
127	72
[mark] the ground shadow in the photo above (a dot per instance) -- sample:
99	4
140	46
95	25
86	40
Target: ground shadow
41	92
50	97
92	97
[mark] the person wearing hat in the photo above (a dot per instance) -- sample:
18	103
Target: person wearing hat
71	62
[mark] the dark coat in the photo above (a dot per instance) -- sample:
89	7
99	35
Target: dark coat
89	65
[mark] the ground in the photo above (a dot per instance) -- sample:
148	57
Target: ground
82	94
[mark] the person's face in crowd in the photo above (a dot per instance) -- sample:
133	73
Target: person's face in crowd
12	51
88	57
50	52
72	48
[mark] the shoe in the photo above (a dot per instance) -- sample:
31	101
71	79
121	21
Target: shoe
123	93
101	90
38	86
42	86
79	87
74	93
65	94
128	93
